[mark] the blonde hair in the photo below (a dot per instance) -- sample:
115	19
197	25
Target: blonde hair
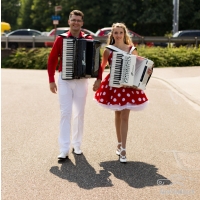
127	39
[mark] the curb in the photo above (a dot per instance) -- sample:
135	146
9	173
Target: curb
179	90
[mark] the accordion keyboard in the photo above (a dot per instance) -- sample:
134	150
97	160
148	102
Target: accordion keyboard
116	70
67	60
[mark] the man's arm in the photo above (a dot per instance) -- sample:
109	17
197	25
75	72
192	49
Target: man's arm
53	59
52	64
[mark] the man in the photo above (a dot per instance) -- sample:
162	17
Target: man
72	93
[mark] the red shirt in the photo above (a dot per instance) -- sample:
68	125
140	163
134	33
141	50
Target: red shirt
56	53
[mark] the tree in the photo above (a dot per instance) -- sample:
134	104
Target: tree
9	12
145	17
24	19
189	14
153	19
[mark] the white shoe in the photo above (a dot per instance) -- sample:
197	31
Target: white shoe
118	149
122	158
62	155
77	150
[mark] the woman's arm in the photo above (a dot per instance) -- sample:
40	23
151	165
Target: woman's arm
104	62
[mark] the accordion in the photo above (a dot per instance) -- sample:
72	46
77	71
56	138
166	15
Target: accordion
81	58
129	70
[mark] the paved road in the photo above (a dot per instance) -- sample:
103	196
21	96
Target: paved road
162	149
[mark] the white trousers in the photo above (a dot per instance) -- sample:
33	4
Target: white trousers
72	99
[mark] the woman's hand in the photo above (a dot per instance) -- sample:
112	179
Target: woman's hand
150	70
96	85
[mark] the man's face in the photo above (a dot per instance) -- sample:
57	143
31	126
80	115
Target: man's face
75	22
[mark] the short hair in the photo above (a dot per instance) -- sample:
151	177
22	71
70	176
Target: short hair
76	12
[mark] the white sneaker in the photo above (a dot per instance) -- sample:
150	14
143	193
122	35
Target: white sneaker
77	150
118	151
122	158
62	155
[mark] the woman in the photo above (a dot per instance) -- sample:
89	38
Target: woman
122	99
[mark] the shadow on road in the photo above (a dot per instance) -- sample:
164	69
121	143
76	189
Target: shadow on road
135	174
82	173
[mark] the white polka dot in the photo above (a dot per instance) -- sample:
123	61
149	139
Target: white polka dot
139	99
137	92
132	92
111	97
104	93
133	100
114	99
123	99
123	90
101	100
110	88
108	79
120	104
128	95
119	95
106	86
97	94
142	92
144	99
115	91
100	93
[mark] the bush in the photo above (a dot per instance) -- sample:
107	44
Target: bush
172	57
163	57
22	58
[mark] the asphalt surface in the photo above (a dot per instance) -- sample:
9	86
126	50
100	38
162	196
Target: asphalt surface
163	145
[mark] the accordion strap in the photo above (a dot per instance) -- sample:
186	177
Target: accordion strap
132	49
66	35
119	50
111	47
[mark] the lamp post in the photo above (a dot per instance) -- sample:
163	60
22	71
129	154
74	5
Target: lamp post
175	15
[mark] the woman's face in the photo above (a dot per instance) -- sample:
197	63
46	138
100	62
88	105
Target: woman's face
118	34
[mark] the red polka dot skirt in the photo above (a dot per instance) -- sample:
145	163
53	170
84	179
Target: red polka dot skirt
120	98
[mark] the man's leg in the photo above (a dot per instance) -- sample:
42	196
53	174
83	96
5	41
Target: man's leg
79	100
65	100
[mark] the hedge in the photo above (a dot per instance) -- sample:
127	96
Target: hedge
163	57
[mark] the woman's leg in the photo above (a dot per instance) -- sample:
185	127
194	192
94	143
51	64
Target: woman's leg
118	127
124	117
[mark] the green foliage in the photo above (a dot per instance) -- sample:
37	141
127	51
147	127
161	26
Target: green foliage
172	57
163	57
22	58
145	17
9	12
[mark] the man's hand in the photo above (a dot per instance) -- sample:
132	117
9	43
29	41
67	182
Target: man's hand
53	87
96	85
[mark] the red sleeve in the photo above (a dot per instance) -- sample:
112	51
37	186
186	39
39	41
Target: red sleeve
55	53
100	73
101	69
